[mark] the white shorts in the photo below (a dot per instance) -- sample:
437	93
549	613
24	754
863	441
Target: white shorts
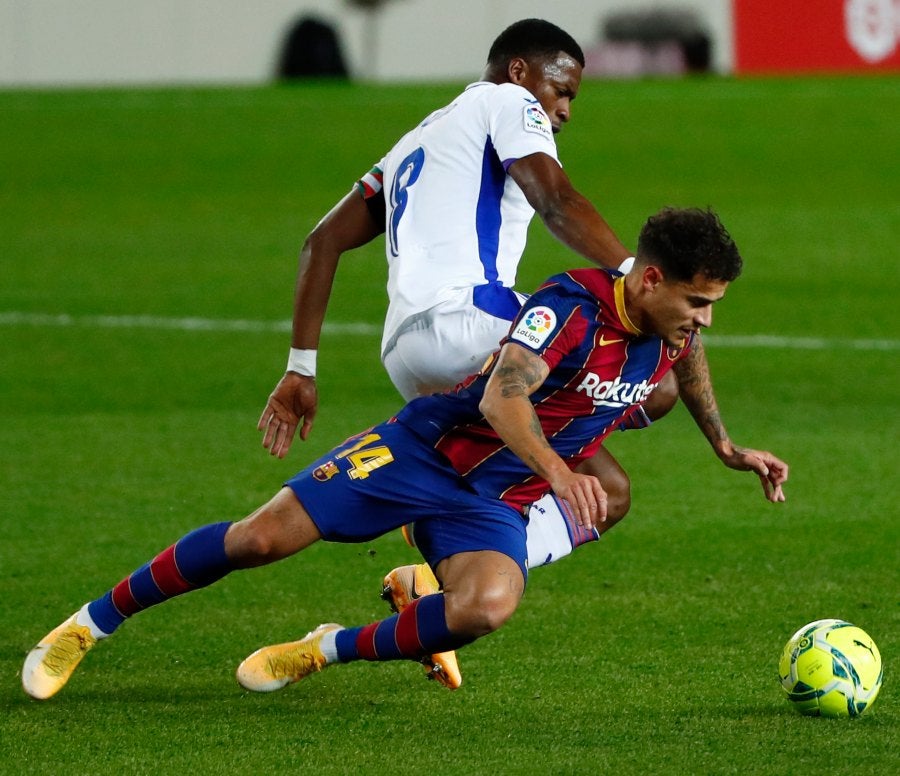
438	348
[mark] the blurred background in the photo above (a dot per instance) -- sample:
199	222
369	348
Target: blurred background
158	178
95	42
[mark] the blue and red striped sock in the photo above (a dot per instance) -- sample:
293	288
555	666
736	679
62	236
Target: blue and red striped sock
419	630
194	561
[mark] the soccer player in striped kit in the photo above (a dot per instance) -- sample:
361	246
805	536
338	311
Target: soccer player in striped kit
584	352
453	199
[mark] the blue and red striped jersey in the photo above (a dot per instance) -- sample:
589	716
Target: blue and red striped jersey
601	369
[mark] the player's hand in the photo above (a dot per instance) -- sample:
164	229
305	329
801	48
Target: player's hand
772	471
295	398
585	495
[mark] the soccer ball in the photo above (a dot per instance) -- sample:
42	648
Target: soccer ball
830	668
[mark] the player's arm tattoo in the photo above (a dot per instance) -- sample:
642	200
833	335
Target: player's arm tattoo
519	378
519	375
696	391
534	426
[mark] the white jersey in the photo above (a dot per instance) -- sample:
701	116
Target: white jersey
455	222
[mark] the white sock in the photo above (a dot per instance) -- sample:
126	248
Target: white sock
552	532
83	617
328	648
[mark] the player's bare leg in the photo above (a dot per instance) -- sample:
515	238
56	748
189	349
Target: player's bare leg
617	484
278	529
481	590
552	532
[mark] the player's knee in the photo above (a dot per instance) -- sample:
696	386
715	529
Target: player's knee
247	546
273	532
663	397
476	610
252	542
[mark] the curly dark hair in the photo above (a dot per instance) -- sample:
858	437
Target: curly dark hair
688	241
533	39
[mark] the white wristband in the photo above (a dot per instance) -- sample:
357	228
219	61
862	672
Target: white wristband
625	266
303	362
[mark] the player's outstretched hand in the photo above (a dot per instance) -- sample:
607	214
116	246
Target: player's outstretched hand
585	495
772	471
295	398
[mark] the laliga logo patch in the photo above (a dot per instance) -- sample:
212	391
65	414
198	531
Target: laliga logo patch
536	121
534	328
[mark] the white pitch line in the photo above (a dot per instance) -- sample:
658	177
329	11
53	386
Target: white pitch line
362	329
797	343
180	324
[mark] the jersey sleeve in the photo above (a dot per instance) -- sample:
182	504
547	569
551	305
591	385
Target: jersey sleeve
372	183
371	189
550	324
519	126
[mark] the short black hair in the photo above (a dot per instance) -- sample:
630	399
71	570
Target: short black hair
533	39
688	241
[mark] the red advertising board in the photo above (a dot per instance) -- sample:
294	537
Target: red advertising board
816	35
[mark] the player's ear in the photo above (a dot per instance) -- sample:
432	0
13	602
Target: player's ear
517	70
651	277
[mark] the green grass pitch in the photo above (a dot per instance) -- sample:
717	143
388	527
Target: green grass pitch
653	651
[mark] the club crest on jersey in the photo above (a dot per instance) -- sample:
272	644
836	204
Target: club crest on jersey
326	471
535	326
536	121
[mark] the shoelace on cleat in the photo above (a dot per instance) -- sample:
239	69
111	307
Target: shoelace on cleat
67	650
293	664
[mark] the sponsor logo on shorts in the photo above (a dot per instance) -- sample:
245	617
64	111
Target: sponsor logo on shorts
614	393
535	120
535	326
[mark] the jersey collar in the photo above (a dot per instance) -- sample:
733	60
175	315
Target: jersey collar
619	289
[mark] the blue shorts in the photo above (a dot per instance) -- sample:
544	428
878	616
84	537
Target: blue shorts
386	477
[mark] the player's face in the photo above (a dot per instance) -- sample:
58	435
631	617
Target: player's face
554	82
676	308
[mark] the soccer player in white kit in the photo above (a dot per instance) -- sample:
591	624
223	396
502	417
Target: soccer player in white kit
454	198
455	231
